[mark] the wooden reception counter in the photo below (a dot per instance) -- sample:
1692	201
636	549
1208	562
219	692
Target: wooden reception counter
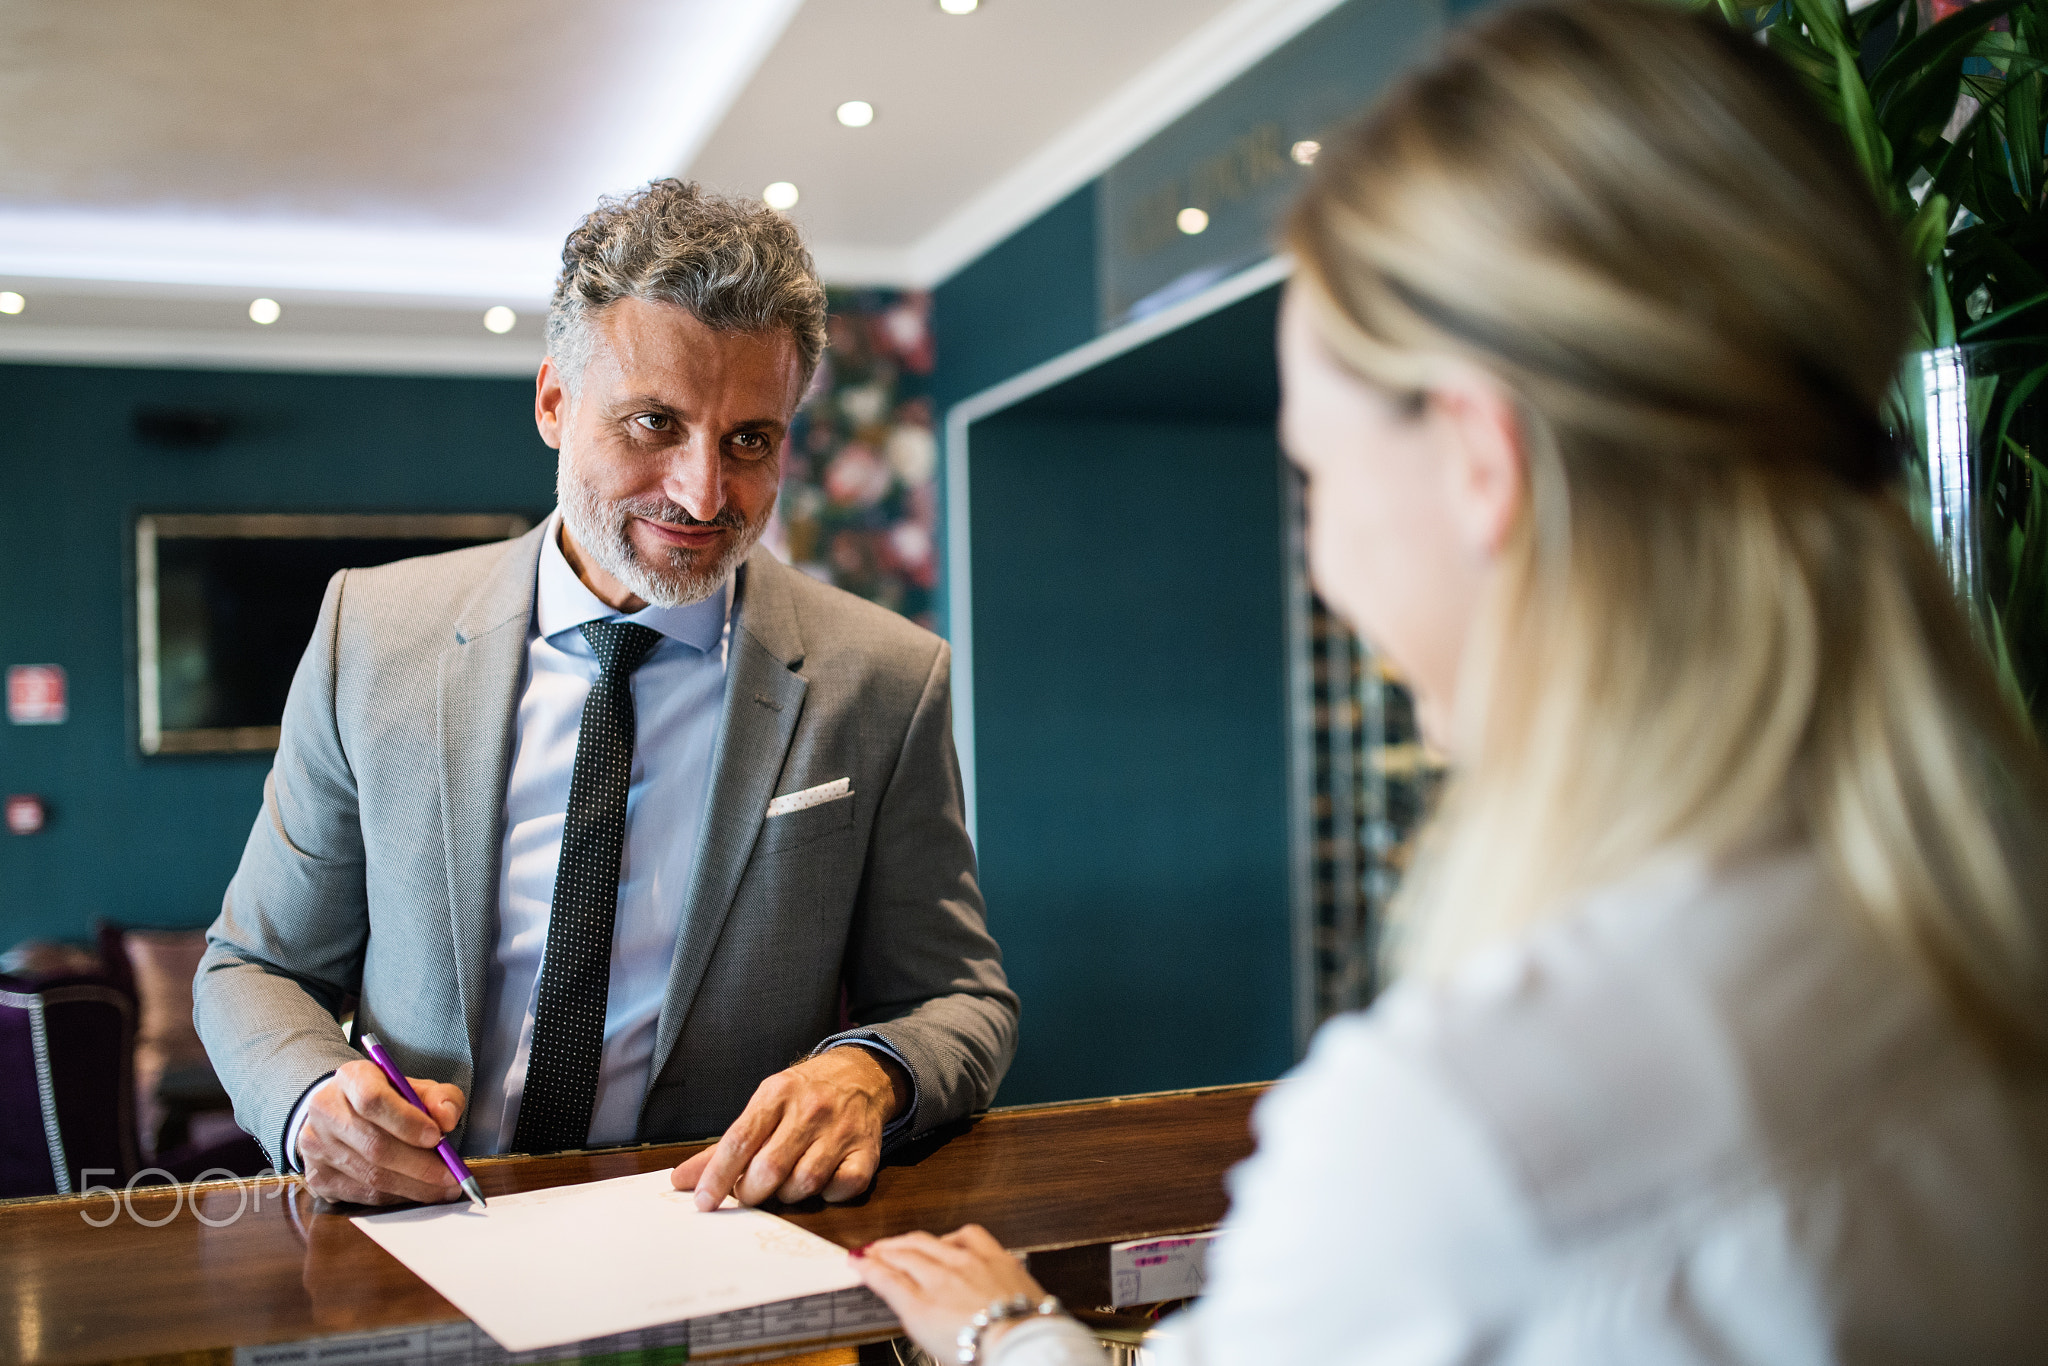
244	1265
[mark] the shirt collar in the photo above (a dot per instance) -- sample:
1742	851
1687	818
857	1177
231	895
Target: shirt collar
562	602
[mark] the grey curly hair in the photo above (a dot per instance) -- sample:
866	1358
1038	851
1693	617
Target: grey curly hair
735	264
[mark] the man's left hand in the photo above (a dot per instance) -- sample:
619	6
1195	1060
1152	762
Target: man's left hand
815	1128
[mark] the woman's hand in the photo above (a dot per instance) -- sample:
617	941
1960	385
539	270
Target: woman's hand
936	1284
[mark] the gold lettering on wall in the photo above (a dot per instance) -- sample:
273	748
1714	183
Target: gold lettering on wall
1236	173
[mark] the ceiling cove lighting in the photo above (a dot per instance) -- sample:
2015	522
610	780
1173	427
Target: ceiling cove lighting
651	129
499	319
1191	221
959	6
779	196
255	257
10	302
265	311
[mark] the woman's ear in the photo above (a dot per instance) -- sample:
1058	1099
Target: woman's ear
1485	463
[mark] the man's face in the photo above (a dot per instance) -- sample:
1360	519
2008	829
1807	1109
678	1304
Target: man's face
671	450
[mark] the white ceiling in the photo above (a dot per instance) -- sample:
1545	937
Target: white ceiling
381	145
959	101
162	161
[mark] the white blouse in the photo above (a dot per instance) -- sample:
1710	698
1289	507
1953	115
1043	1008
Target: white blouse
1708	1117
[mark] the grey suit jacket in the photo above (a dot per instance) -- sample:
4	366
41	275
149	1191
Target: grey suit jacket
373	868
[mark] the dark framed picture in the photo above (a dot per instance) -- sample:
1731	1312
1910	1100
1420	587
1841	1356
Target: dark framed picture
225	603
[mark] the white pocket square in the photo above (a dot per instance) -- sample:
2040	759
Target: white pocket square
811	796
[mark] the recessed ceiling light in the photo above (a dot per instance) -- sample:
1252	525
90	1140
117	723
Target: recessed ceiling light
780	195
1304	152
1191	221
856	113
958	6
265	311
499	319
10	302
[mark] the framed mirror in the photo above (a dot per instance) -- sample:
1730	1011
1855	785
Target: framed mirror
225	603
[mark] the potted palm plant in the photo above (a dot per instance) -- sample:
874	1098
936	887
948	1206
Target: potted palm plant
1942	103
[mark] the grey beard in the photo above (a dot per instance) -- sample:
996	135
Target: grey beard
680	576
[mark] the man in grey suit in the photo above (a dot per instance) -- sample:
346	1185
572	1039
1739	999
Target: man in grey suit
620	831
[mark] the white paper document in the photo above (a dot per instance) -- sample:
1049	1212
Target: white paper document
574	1262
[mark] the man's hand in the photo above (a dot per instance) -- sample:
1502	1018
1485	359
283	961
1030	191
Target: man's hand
364	1143
810	1129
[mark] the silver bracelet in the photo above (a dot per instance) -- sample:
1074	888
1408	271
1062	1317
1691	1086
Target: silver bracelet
1015	1307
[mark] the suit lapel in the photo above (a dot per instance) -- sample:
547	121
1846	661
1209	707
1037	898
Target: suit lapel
478	698
764	695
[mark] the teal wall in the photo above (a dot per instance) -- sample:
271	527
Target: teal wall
1130	735
1027	299
154	841
1131	715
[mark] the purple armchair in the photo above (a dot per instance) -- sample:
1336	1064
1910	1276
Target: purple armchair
67	1091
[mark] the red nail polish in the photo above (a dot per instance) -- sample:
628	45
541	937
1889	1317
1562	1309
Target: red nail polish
860	1251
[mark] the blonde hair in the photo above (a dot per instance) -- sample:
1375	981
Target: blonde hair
1715	622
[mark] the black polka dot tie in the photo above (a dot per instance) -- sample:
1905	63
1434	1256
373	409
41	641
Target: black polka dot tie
576	974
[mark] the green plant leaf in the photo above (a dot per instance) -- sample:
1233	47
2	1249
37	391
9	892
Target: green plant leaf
1995	199
1997	48
1914	114
1826	57
2012	103
1962	163
2013	65
1866	21
1789	38
2021	392
1859	120
2024	614
1915	91
1827	21
1944	320
2031	36
2022	130
2001	250
1952	39
1926	231
1815	69
2001	657
2002	316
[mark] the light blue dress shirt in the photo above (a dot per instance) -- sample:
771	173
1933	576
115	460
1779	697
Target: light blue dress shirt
678	695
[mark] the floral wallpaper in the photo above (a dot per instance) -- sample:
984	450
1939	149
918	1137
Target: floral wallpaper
860	494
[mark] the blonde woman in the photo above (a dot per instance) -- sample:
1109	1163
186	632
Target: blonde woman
1724	1011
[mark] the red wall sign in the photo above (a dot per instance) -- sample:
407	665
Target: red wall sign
35	695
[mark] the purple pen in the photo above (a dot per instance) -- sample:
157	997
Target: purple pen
404	1088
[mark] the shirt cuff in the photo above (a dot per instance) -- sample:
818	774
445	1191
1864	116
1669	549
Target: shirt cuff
899	1127
1054	1340
298	1122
